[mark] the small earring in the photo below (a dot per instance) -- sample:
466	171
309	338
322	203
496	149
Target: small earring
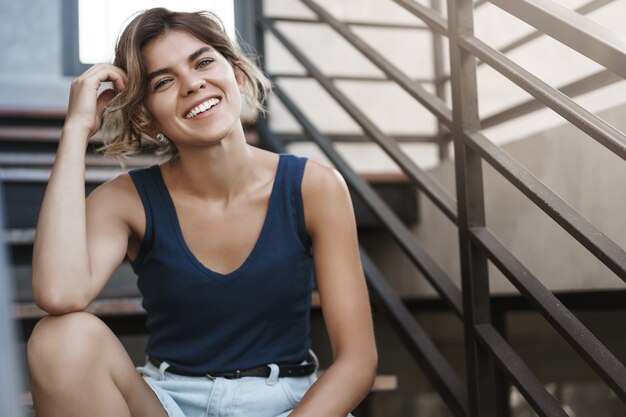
162	138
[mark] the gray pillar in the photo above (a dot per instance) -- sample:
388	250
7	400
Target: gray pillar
10	378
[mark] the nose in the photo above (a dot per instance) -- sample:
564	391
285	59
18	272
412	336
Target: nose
194	85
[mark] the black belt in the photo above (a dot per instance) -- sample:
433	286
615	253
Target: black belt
302	369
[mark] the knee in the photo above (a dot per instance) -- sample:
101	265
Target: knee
64	341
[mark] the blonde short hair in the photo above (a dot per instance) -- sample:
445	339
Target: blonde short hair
126	120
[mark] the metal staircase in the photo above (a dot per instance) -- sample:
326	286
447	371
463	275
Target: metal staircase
491	364
489	360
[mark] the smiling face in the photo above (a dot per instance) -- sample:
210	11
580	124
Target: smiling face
193	92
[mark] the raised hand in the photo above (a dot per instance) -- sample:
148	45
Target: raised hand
85	109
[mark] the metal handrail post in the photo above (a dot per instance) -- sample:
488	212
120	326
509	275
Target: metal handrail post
440	90
503	385
480	364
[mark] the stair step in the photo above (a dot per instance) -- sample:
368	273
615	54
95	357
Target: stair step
123	306
29	159
19	236
42	175
30	134
26	405
385	383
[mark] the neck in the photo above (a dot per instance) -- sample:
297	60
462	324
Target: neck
220	171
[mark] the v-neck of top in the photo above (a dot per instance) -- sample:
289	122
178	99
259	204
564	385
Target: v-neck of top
171	208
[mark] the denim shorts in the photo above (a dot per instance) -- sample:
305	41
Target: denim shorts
187	396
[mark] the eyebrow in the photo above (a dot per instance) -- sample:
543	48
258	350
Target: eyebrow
191	58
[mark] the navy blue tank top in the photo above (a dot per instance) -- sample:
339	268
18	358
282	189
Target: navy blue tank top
203	321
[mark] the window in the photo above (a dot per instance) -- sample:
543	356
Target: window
91	27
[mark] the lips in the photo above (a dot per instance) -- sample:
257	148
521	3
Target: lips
202	106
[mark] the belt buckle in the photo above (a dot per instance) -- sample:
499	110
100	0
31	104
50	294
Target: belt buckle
228	375
232	375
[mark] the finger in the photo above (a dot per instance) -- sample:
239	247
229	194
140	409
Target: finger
118	77
107	72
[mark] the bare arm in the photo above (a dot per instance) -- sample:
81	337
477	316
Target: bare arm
343	293
64	277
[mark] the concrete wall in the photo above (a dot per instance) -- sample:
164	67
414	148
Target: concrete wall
31	73
579	170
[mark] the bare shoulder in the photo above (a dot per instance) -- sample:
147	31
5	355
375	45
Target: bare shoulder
324	194
118	199
119	187
320	180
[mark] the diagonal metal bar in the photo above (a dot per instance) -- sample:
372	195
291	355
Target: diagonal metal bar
526	382
407	241
591	39
430	359
430	188
579	87
297	137
592	6
433	103
583	10
432	19
586	121
381	25
610	369
365	78
603	248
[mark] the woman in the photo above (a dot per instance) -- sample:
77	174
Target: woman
225	239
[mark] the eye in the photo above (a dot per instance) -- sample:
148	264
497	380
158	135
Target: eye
161	83
205	62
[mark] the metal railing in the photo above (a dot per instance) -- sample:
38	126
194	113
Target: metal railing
488	354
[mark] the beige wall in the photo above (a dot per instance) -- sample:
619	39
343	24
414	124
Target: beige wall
391	109
582	172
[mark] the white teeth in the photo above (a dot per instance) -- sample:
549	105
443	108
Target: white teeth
202	107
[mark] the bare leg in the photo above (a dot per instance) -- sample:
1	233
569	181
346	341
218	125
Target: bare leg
78	367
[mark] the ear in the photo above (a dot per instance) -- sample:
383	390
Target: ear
151	129
240	77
